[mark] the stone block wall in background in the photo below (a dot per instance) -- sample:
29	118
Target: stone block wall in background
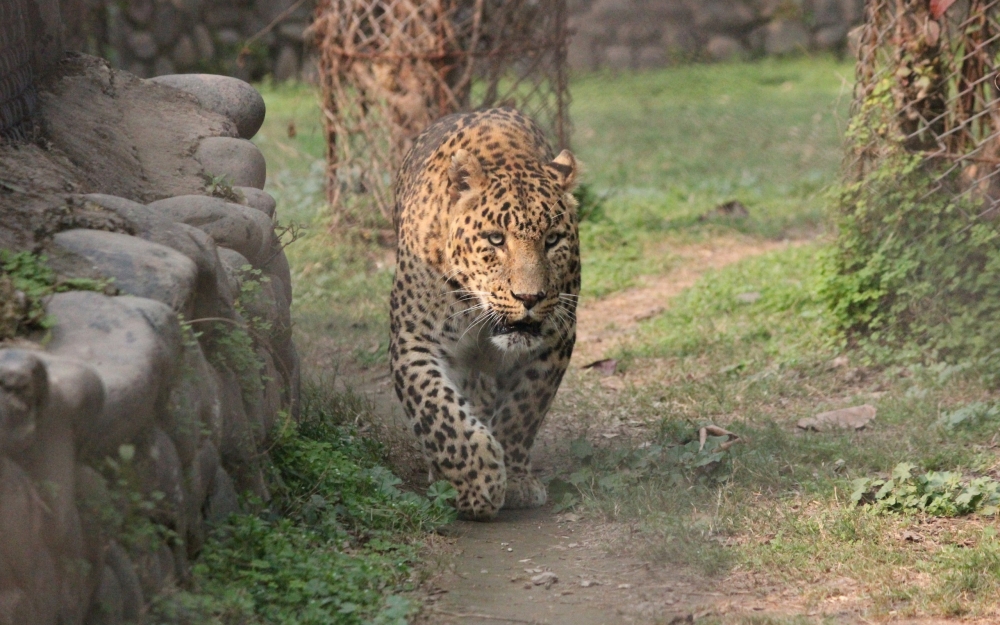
155	37
637	34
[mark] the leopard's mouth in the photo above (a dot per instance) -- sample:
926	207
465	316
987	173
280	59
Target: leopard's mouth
531	328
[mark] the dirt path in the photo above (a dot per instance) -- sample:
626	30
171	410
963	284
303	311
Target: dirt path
602	324
489	572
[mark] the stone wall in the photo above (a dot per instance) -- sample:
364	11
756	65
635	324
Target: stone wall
636	34
128	427
154	37
158	37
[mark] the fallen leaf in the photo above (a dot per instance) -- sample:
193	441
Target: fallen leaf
912	537
615	383
545	579
938	7
855	417
606	366
748	298
715	430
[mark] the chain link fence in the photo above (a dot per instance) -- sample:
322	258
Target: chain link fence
388	68
926	82
916	266
17	89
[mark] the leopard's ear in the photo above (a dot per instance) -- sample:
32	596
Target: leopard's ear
564	169
465	174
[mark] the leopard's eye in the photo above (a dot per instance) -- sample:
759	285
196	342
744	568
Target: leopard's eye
552	239
495	238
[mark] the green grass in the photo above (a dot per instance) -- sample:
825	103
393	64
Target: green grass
666	147
336	543
662	149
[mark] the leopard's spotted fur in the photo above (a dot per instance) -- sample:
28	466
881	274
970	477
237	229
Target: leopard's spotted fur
484	300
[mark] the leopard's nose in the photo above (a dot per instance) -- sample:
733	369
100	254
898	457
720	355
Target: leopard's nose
529	299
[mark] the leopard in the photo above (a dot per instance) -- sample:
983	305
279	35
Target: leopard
484	298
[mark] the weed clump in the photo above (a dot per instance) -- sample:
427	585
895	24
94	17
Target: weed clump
25	283
334	545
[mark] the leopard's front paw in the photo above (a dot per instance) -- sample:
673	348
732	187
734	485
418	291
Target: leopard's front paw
524	491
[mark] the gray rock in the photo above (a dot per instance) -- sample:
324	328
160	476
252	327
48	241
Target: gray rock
140	11
723	48
617	58
233	264
163	65
223	501
827	13
93	503
139	69
142	44
830	37
721	15
133	604
293	31
24	388
162	473
237	227
227	96
139	267
213	298
277	269
27	562
228	37
167	22
108	604
238	447
255	198
203	41
185	54
202	473
287	64
237	159
192	401
785	37
650	57
136	373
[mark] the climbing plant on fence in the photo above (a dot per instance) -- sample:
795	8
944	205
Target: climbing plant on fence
390	67
917	260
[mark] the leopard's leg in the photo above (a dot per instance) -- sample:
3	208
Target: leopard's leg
523	400
457	444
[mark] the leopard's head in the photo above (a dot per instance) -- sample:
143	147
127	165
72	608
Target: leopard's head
513	246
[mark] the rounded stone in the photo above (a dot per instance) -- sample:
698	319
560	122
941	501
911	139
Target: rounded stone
206	47
223	501
139	267
24	389
617	58
146	341
163	65
233	264
142	44
185	53
133	604
26	561
107	606
723	48
286	66
785	37
230	97
255	198
238	160
830	37
164	474
234	226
